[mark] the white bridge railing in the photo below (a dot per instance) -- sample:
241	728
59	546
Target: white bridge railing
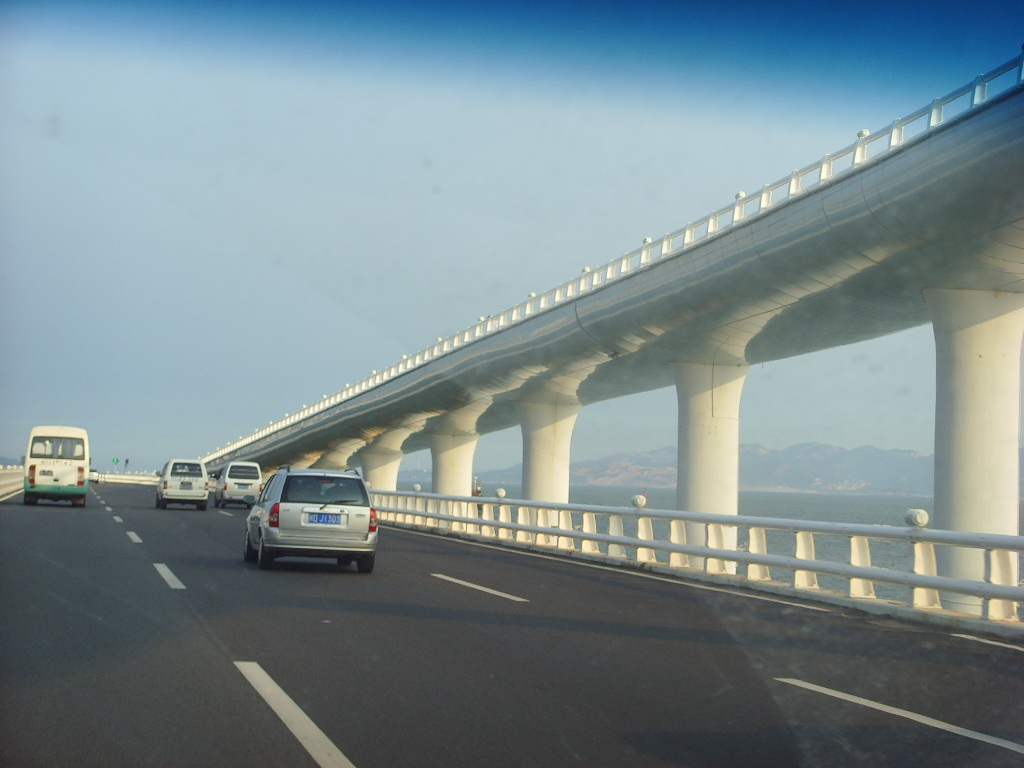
869	146
12	479
832	562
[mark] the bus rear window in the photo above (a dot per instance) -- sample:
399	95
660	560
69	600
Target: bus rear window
246	473
189	470
57	448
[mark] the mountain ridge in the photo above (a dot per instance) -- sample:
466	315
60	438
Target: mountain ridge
801	468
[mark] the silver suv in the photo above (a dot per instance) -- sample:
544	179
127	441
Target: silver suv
312	513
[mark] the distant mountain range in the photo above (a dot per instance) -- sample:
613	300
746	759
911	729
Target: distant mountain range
805	468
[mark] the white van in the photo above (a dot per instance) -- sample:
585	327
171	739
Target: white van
57	465
236	481
183	481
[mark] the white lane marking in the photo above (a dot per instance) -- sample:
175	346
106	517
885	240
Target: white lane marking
482	589
1012	746
627	572
222	512
134	537
169	577
109	509
990	642
305	730
117	519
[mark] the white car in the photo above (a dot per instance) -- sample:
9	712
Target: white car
236	481
312	513
183	481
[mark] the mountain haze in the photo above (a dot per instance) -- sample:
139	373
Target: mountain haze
805	468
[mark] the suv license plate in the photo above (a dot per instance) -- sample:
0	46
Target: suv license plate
186	486
328	518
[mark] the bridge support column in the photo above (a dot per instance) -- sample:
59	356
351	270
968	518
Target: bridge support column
452	454
304	461
380	468
978	338
709	448
339	455
547	436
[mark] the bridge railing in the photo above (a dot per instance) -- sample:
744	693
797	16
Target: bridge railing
887	569
869	146
11	480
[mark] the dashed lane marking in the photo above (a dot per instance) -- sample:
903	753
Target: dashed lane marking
1010	745
314	740
172	581
478	587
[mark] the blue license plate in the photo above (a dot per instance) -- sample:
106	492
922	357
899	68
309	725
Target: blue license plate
243	486
327	518
186	486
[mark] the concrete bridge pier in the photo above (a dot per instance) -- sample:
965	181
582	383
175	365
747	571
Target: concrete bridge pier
709	448
547	423
339	455
380	467
451	454
978	337
304	460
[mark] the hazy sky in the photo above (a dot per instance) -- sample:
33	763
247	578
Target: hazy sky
210	218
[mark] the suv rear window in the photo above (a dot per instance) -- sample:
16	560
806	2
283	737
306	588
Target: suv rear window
189	470
246	473
322	489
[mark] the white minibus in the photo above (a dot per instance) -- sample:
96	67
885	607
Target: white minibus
57	465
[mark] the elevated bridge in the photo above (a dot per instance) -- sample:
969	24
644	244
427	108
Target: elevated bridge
918	222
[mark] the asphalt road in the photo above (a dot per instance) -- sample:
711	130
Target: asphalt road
450	654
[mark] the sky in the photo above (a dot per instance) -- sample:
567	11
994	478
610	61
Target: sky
212	215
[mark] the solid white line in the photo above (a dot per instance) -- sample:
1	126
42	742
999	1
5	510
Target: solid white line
170	578
1012	746
134	537
482	589
990	642
305	730
117	518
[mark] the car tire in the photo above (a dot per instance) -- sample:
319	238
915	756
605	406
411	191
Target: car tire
201	506
78	501
31	499
249	553
365	563
263	558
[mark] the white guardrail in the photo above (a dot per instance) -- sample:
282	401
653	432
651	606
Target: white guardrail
830	562
869	146
11	480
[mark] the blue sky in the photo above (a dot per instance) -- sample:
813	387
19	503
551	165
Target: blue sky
210	217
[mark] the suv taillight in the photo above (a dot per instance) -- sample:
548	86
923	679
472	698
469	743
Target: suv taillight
274	518
373	520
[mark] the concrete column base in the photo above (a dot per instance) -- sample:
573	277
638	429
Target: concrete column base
978	338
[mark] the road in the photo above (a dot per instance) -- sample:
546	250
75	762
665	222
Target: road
450	654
